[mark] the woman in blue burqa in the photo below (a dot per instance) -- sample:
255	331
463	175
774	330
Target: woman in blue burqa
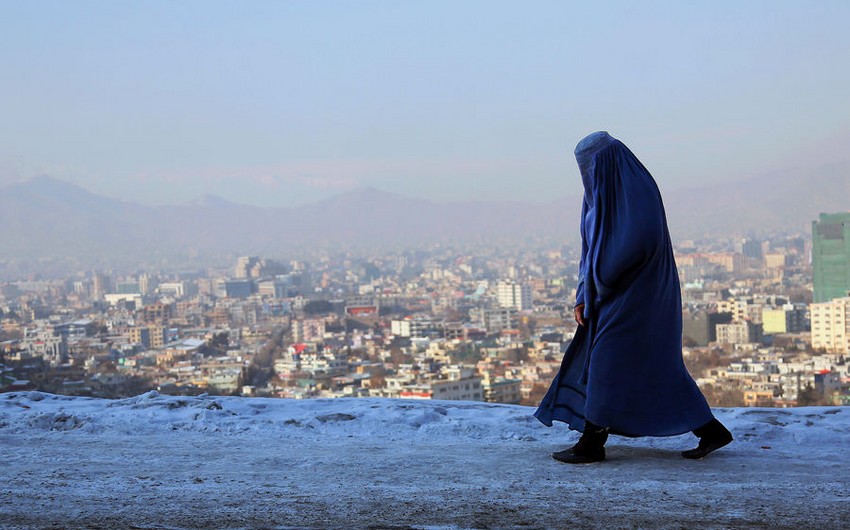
623	372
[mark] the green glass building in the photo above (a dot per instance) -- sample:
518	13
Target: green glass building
831	256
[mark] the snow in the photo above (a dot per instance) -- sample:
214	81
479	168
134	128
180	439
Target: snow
155	461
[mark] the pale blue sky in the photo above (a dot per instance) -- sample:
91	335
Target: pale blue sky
278	103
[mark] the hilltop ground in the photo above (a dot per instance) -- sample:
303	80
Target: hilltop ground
154	461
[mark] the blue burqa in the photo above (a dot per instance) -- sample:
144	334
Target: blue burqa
624	369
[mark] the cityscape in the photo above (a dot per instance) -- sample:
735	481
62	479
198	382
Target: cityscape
320	265
766	323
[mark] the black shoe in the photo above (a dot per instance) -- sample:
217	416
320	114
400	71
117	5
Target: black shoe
571	456
589	448
713	435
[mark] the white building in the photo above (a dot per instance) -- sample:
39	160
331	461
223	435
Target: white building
175	289
454	390
418	327
831	325
115	298
514	295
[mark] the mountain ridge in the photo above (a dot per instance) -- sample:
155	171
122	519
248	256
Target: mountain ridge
50	217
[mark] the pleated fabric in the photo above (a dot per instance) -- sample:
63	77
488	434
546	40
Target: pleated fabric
624	369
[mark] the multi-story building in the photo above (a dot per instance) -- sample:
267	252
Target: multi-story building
275	288
456	384
514	295
418	327
43	343
776	260
729	261
739	332
308	330
248	267
502	390
498	319
100	285
237	288
741	309
831	256
127	288
149	336
700	327
831	325
158	313
752	248
175	289
790	318
145	286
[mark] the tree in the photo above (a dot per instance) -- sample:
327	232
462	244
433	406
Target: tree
220	340
809	396
217	345
718	396
536	396
398	357
261	368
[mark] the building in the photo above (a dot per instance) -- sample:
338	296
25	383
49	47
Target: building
75	329
456	384
790	318
127	288
148	336
158	313
827	382
237	288
739	332
741	309
514	295
502	390
135	299
776	260
308	330
145	286
100	285
275	288
498	319
728	261
175	289
831	256
419	327
248	267
752	248
700	328
53	348
831	325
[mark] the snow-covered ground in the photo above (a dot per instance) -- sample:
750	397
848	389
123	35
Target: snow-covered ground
156	461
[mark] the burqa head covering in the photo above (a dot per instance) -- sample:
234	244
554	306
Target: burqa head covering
584	152
623	221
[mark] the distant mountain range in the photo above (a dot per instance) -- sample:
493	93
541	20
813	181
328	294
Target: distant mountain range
46	217
780	202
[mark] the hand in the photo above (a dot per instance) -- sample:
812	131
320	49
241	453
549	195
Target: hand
579	314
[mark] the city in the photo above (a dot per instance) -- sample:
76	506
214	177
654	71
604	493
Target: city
424	265
766	323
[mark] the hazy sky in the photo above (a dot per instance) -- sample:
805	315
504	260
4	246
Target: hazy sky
279	103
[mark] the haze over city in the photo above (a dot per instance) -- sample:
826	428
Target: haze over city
284	103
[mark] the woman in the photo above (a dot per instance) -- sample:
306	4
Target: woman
623	372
